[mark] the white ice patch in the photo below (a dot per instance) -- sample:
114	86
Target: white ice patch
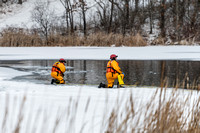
8	73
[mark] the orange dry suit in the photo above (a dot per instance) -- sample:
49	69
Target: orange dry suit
57	72
112	72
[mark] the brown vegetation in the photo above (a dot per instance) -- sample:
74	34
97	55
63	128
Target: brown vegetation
165	112
19	37
161	115
13	37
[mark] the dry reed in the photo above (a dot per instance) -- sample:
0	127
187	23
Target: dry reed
18	37
175	114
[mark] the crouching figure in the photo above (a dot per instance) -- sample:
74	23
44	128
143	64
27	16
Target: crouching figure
113	72
57	72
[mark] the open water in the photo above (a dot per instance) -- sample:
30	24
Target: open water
141	73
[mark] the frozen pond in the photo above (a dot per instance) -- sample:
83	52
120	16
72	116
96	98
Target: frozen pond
142	73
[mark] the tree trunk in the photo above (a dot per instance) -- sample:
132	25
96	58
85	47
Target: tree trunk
150	15
177	20
1	3
4	1
136	5
125	21
198	11
137	23
127	12
68	15
67	20
19	1
84	18
162	18
71	17
111	16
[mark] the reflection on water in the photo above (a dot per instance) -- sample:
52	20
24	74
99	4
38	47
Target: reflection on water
147	73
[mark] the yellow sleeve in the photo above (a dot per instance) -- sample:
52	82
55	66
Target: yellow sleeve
62	67
116	66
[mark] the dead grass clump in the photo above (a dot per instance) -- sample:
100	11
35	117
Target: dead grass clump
187	82
99	39
140	41
165	113
69	40
167	117
120	40
95	40
16	37
158	41
136	40
104	39
184	42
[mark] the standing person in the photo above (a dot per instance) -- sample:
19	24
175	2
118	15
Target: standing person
57	72
113	72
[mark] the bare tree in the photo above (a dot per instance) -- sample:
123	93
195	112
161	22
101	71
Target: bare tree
162	17
44	17
12	1
103	13
177	20
136	17
123	8
84	7
70	8
111	16
127	8
150	10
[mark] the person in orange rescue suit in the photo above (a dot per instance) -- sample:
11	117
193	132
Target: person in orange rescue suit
113	72
57	72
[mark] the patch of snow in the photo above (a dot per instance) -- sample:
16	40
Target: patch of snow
102	53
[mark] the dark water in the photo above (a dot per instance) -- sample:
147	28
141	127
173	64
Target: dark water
142	73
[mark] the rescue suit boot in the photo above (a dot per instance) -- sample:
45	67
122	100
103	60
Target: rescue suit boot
52	81
55	81
119	86
102	85
62	82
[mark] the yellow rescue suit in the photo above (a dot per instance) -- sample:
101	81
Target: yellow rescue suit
112	73
57	72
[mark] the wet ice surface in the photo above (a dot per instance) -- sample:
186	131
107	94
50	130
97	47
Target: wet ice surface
145	73
40	71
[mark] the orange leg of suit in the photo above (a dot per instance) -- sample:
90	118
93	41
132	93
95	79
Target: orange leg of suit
111	78
57	76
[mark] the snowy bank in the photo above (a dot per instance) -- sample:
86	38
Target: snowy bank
102	53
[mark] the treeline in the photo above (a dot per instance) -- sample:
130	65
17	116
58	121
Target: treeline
11	1
168	21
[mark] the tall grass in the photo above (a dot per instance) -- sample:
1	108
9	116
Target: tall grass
175	114
165	112
18	37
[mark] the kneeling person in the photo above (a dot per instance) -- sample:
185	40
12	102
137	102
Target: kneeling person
57	72
113	72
